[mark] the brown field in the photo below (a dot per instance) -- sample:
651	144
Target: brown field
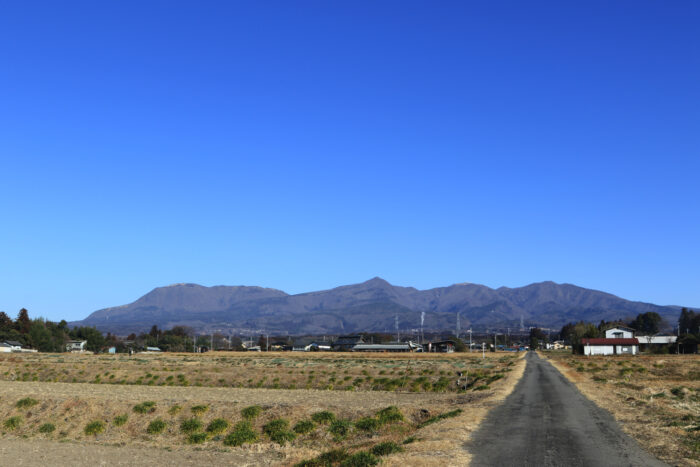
656	398
351	386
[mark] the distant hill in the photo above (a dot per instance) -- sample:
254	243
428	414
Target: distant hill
369	306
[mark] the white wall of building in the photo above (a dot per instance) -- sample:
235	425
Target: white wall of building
618	333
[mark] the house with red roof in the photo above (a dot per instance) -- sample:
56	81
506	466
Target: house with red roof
617	341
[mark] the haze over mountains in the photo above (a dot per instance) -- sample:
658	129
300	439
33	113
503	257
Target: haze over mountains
368	306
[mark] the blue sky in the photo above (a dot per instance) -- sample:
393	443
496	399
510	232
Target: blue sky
305	145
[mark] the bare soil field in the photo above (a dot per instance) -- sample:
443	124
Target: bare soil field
656	398
131	423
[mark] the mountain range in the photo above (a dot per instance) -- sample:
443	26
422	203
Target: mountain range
369	306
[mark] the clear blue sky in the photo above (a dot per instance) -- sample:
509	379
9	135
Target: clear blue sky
305	145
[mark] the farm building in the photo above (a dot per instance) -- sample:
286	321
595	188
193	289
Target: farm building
347	342
5	347
76	346
310	345
655	342
446	346
389	347
610	346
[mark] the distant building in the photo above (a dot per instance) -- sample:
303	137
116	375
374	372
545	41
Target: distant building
447	346
389	347
5	348
14	346
310	345
76	346
347	342
152	349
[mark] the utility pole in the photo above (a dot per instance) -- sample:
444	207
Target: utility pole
396	325
459	326
483	350
422	319
470	339
267	343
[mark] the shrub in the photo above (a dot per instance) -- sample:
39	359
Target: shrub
242	433
278	431
409	440
360	459
47	428
277	424
323	417
145	407
197	438
304	426
389	415
94	428
174	410
386	448
26	402
13	423
281	437
199	409
156	426
217	426
191	425
442	416
328	458
333	456
339	429
367	424
678	392
252	412
120	420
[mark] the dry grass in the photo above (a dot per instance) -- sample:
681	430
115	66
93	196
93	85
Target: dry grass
273	370
421	394
656	398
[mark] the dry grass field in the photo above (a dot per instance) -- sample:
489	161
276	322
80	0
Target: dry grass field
370	406
656	398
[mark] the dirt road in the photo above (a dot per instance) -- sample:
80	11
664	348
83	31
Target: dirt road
546	421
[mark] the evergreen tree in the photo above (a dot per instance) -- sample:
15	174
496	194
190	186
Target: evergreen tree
23	322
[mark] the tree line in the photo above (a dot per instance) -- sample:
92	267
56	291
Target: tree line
47	336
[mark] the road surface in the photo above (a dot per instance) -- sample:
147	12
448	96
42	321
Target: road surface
546	421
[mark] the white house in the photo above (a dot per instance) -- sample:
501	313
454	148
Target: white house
14	346
619	333
5	347
610	346
76	346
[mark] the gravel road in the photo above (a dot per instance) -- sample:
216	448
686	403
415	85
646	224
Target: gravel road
546	421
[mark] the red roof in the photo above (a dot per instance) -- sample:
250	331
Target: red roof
606	341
